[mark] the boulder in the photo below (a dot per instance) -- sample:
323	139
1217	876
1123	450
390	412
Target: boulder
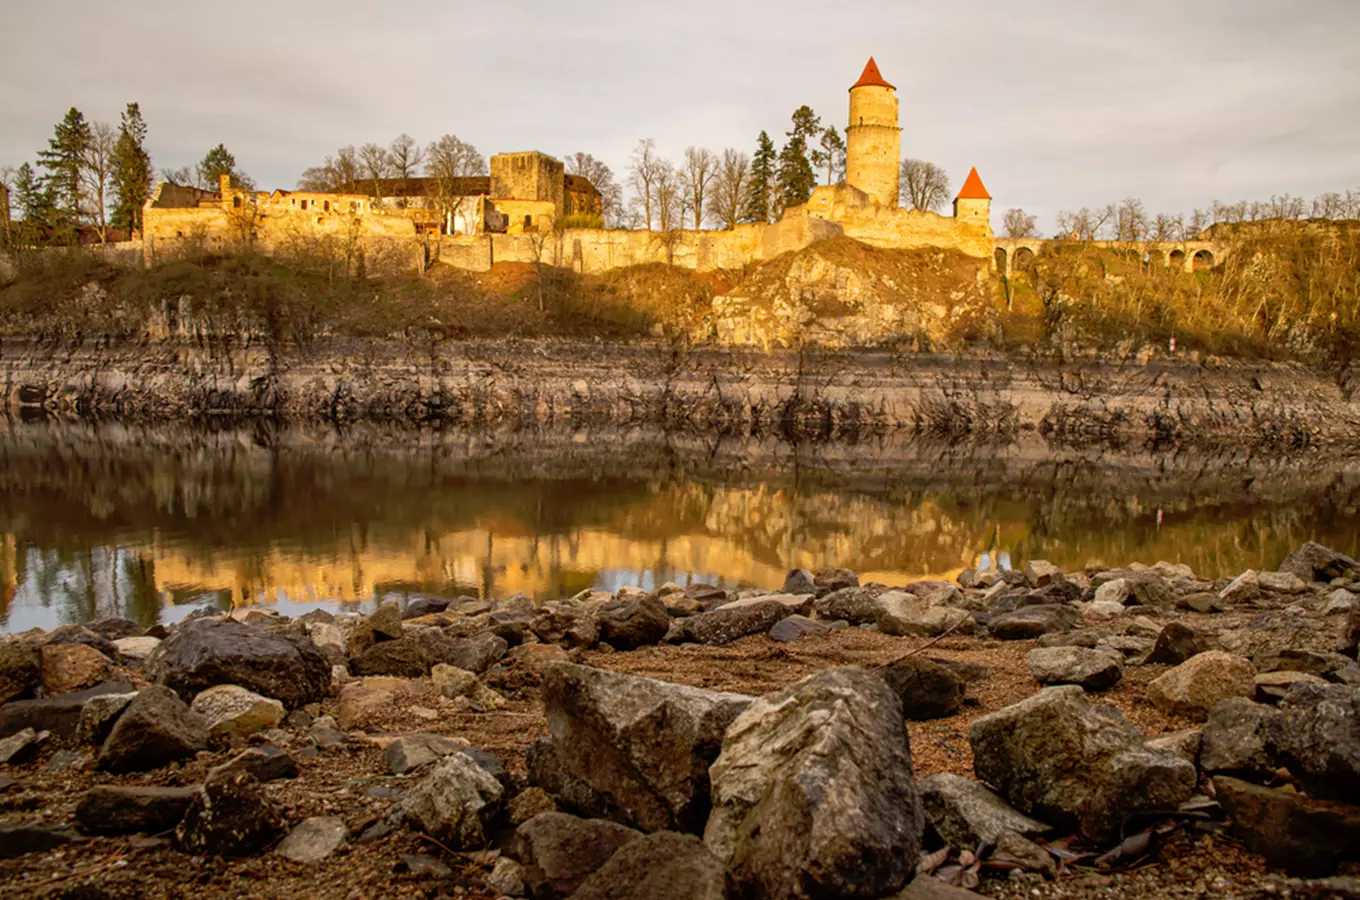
1313	562
814	795
629	624
926	689
231	816
455	803
799	581
474	654
157	728
137	648
98	715
1281	582
1176	643
853	604
728	623
314	839
402	658
208	652
834	579
1135	589
59	715
1301	835
20	669
901	614
567	625
1272	687
1274	640
18	747
1318	738
73	667
107	809
114	627
1198	684
1032	621
644	744
1041	573
1237	737
965	814
544	770
559	851
79	634
232	711
662	866
386	621
425	606
1094	670
364	698
1242	589
1056	757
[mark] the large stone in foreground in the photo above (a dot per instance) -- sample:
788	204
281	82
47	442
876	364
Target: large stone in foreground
814	794
1056	757
456	803
559	851
1313	562
20	669
155	729
1318	737
231	711
231	816
1303	836
965	814
662	866
926	689
644	744
208	652
1237	739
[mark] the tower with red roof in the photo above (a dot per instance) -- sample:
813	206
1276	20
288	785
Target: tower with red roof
873	141
973	205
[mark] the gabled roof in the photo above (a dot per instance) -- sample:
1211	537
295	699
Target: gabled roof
972	187
871	78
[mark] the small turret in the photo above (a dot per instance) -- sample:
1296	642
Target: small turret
973	204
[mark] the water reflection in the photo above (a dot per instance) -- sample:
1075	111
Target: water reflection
151	524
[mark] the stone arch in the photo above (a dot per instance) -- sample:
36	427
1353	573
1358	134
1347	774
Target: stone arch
1023	260
1177	259
1203	261
1000	257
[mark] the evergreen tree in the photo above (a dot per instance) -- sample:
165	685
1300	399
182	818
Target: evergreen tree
796	178
63	161
132	172
33	202
757	206
219	162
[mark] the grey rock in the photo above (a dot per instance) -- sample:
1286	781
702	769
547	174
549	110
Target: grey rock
1032	621
1056	757
1094	670
662	866
788	630
411	751
59	715
475	654
1281	582
19	746
1237	737
1201	682
386	621
799	581
1040	573
1176	643
423	866
232	816
559	851
645	744
1318	738
1313	562
404	658
1243	589
208	652
965	814
79	634
904	614
853	604
507	878
1184	743
544	770
137	649
926	689
834	579
314	839
155	729
231	711
107	809
1272	687
1273	640
1014	848
456	803
629	624
728	623
114	627
813	794
425	606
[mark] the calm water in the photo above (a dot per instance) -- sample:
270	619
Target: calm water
152	524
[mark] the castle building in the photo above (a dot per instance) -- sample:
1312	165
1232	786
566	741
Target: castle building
873	140
973	204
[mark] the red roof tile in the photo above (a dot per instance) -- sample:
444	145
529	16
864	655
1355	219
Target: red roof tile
972	187
871	78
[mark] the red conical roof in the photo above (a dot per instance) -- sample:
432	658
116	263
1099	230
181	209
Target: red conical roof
972	187
871	78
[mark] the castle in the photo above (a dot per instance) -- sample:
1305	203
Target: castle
517	212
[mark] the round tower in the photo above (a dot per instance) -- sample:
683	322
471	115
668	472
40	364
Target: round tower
873	142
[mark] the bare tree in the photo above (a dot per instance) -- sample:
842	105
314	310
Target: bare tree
1328	206
406	156
336	173
375	163
925	186
602	177
1199	220
672	202
700	168
1018	224
96	171
1286	207
642	177
729	188
448	161
1167	228
1085	223
1130	220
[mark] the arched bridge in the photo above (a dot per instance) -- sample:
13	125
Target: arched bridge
1017	254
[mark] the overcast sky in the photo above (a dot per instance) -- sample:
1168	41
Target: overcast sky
1059	103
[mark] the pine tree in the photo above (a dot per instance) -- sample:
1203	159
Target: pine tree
796	177
33	202
132	172
757	206
63	162
218	162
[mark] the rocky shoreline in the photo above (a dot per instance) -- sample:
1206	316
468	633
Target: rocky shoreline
815	394
1135	732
